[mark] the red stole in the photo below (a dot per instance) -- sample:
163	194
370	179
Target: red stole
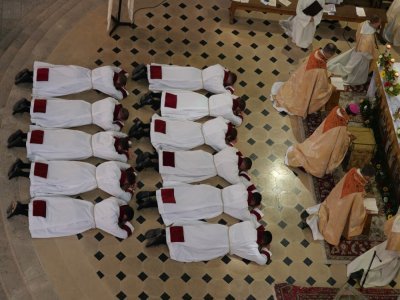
316	61
334	120
353	183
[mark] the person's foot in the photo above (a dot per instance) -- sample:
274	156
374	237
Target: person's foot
15	135
141	74
18	142
136	131
16	165
138	68
153	233
21	106
146	99
12	209
357	275
147	203
142	195
23	76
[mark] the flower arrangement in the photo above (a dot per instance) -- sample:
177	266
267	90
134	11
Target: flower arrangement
392	89
390	75
396	116
385	59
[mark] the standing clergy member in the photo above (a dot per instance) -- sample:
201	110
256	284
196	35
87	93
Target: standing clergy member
326	148
185	105
200	241
197	165
59	113
73	177
308	88
57	216
379	265
188	202
215	79
169	134
58	80
301	28
392	29
68	144
342	213
355	64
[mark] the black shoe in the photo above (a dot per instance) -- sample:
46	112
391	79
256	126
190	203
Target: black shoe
152	233
136	133
159	240
138	68
23	76
304	215
15	173
14	135
12	209
140	75
21	106
143	157
17	142
147	203
15	166
143	194
146	99
357	275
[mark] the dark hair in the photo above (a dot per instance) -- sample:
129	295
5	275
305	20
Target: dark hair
124	143
231	79
128	212
267	237
123	114
374	19
330	48
130	175
122	79
257	198
231	135
241	103
368	170
247	163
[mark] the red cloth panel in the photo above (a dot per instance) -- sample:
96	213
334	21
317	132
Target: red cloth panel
41	169
155	72
160	126
37	137
170	100
167	196
39	105
168	159
42	74
39	208
176	233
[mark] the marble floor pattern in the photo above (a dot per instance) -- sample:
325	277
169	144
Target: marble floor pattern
196	33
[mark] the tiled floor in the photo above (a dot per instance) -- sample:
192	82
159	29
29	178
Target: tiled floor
198	33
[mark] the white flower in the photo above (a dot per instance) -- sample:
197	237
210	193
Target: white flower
391	89
380	56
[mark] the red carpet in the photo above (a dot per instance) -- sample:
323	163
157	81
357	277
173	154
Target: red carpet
285	291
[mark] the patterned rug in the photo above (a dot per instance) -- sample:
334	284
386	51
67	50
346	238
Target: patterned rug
285	291
347	250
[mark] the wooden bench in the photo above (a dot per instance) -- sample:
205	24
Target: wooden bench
345	13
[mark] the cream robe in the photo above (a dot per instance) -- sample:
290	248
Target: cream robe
354	65
342	212
186	135
103	114
64	216
324	150
300	27
195	202
204	241
65	80
108	175
187	79
392	29
63	178
307	90
226	162
103	146
193	106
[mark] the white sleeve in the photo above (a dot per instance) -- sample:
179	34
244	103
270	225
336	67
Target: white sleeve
237	121
122	166
119	134
125	196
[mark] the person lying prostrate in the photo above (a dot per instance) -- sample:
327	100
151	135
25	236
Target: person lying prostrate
200	241
59	80
215	79
170	134
192	106
68	144
73	177
107	113
186	202
57	216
